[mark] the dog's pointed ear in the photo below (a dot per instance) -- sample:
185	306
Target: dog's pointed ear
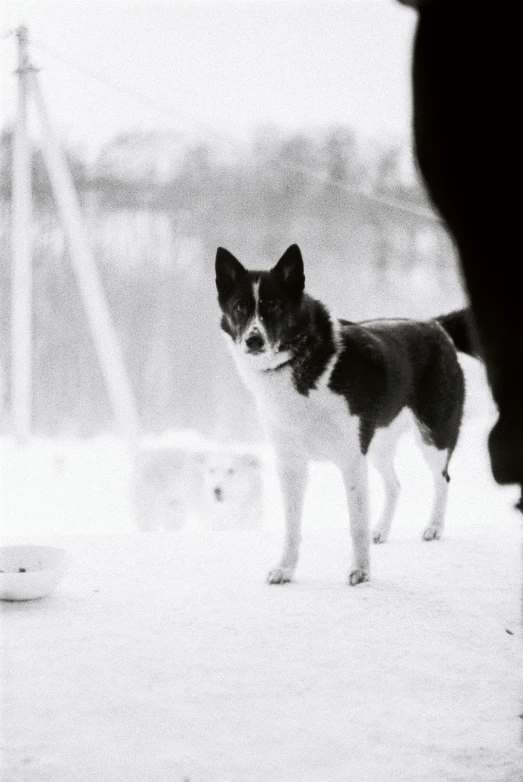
289	270
229	271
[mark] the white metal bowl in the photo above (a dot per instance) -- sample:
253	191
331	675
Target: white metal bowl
30	572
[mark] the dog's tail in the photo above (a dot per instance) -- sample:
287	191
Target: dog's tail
458	326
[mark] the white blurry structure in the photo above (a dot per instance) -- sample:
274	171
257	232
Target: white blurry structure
91	290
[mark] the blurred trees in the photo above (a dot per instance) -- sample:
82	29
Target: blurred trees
157	207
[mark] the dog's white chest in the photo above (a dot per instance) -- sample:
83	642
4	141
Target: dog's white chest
318	424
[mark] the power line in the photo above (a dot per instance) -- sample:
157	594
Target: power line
392	203
130	92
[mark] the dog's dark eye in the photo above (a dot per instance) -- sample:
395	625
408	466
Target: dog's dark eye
271	305
240	308
230	471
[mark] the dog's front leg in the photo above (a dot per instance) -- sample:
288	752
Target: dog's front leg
292	473
355	478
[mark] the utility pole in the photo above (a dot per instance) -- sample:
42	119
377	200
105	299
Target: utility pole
22	277
96	309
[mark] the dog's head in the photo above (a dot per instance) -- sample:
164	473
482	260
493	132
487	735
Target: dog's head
261	310
230	478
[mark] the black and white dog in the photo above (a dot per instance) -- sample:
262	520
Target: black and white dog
329	389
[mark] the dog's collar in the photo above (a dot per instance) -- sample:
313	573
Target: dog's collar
280	366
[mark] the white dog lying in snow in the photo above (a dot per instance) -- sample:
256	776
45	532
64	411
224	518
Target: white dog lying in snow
210	487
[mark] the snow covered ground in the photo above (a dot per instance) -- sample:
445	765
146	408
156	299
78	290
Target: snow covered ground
165	657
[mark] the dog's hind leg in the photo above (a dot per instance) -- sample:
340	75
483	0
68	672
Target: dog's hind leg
437	460
384	463
381	452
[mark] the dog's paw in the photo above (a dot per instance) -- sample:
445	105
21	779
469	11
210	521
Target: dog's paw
433	532
358	576
279	575
379	535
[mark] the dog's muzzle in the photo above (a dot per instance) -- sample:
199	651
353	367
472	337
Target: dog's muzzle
255	342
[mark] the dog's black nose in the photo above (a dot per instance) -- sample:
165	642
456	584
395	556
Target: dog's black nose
254	342
218	493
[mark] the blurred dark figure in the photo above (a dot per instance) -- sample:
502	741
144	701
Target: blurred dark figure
463	125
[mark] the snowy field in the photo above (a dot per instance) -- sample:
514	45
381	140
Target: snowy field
165	657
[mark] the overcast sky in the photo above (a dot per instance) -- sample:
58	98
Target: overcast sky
211	63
